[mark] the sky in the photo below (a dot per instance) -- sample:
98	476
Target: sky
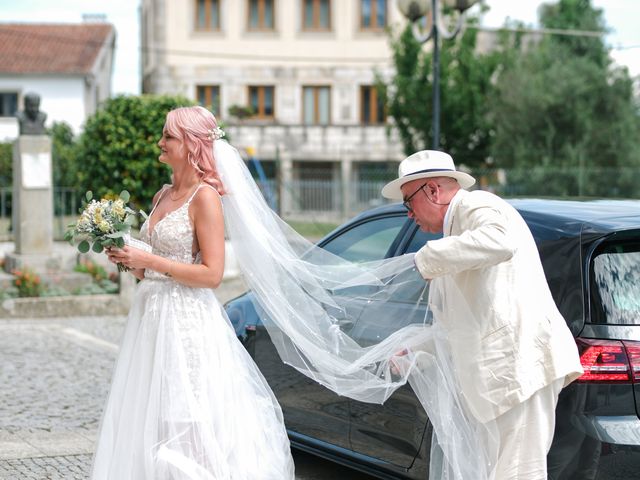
621	16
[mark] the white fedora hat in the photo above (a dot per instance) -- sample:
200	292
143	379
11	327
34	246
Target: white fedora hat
425	164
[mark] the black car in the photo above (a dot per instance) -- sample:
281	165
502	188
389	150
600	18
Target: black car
590	251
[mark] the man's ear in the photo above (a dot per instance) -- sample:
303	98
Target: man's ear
432	187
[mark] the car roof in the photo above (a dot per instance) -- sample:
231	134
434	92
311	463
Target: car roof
603	215
570	216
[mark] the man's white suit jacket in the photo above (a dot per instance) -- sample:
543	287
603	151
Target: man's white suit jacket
506	335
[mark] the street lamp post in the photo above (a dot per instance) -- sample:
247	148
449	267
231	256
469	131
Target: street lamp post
413	10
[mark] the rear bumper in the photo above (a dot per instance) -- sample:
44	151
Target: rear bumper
590	442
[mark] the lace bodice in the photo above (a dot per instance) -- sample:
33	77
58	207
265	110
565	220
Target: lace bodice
172	236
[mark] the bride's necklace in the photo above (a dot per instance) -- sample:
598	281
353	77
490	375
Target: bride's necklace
171	197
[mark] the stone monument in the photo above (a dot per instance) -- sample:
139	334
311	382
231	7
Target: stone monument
32	190
31	119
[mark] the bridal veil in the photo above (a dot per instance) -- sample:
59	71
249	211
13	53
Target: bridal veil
309	299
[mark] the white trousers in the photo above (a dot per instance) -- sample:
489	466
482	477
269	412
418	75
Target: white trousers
526	433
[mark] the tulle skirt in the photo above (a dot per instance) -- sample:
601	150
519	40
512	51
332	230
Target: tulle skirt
187	401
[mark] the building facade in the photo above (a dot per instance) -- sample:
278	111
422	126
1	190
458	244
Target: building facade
293	81
68	65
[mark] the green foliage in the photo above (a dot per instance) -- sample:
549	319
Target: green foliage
465	83
241	111
27	282
97	272
119	150
64	155
560	105
6	162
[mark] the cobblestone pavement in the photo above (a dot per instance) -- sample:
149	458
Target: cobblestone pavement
54	376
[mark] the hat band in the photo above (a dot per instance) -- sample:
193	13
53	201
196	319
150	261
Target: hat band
431	170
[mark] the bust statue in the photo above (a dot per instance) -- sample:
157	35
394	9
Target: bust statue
31	120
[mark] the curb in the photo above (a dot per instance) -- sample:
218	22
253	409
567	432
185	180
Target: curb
64	306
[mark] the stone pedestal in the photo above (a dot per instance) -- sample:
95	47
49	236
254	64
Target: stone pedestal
32	195
33	212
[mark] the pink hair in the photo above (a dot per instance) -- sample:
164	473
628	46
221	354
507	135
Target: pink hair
192	125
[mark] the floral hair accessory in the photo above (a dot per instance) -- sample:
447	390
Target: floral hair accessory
215	133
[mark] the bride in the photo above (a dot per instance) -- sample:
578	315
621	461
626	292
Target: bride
186	400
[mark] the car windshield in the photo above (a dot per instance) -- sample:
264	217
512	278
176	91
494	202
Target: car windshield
616	284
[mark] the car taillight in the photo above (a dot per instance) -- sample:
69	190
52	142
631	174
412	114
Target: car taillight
609	361
633	352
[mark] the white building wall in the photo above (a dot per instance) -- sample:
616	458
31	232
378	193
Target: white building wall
62	99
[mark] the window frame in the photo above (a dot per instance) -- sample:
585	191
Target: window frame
208	91
316	103
375	108
374	27
208	27
259	113
261	16
315	27
16	95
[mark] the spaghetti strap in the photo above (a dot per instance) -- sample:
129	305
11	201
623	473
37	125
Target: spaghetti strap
188	202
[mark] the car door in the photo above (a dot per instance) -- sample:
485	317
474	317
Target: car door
393	432
310	409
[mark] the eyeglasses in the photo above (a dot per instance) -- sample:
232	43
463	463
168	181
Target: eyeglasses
407	201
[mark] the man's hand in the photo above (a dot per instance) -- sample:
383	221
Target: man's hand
395	367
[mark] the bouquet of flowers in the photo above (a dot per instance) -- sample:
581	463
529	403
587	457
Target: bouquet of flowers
105	223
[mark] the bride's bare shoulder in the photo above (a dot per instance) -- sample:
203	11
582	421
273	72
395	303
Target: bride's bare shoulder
207	199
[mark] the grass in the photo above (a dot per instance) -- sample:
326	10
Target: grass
314	230
308	229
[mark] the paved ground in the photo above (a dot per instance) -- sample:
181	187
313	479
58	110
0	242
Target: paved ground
54	376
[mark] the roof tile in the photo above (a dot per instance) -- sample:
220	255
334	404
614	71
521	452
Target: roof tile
43	48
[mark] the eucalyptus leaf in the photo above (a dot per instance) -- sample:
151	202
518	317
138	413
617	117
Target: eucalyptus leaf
124	196
117	234
88	195
84	247
97	247
119	242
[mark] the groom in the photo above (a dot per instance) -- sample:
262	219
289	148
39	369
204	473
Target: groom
517	355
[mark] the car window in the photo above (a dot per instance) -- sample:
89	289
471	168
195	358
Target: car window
419	239
615	284
367	241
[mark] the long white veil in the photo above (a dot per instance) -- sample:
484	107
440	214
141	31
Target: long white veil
312	301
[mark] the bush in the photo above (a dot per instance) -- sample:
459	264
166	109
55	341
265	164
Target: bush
27	282
118	148
241	111
97	272
64	155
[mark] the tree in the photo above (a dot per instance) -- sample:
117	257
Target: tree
563	107
64	155
118	148
465	83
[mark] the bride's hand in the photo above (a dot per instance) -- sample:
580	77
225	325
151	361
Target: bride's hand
131	257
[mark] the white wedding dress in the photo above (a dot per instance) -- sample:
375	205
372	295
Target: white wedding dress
187	401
